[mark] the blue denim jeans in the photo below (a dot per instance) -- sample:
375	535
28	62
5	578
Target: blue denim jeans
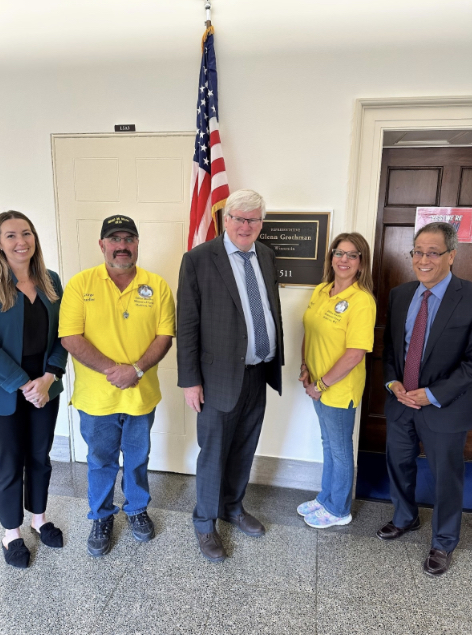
105	436
337	426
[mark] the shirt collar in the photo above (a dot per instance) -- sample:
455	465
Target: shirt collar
231	247
344	294
439	289
138	278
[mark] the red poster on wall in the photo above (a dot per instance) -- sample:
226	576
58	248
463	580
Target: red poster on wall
459	217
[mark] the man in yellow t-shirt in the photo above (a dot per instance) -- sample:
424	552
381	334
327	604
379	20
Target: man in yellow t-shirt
117	321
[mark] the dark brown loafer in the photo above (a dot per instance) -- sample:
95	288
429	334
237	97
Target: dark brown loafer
437	562
211	546
391	532
247	524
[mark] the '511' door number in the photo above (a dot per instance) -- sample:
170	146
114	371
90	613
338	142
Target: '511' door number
285	273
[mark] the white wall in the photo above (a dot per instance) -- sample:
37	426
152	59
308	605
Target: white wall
285	118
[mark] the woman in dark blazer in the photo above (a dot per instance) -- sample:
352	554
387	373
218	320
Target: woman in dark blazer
32	362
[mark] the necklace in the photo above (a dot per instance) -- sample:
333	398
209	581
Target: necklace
125	312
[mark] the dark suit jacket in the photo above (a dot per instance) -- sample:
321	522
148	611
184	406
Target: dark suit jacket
12	376
446	368
211	329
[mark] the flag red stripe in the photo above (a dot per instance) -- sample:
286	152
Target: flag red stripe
193	215
218	165
211	232
219	194
199	203
215	137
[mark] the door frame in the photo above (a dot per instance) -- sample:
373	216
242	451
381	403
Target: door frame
372	117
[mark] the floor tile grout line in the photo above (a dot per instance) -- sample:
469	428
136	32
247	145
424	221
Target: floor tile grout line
410	564
113	591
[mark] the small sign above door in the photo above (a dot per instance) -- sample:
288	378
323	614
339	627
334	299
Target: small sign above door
125	127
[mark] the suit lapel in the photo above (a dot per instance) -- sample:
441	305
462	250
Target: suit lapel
446	308
223	265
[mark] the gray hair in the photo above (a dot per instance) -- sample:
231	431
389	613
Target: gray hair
447	230
245	201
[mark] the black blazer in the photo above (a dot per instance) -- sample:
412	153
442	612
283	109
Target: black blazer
211	329
446	368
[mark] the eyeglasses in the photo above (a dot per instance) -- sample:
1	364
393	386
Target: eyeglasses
431	255
129	240
240	221
352	255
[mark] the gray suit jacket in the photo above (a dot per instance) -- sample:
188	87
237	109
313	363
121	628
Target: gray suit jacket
446	368
211	329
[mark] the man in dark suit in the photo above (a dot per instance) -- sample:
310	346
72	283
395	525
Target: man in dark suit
428	373
229	345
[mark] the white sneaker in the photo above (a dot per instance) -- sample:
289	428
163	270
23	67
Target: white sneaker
309	507
322	519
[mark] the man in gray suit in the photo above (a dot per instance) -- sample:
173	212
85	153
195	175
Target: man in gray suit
229	345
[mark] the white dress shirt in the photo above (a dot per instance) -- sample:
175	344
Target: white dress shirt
237	265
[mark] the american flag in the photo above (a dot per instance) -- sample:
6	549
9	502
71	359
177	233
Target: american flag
209	187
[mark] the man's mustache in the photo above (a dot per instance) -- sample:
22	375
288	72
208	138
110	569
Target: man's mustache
121	251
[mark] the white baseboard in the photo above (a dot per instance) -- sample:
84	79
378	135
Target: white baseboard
60	449
267	470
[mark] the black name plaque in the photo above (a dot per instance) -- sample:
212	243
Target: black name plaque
300	241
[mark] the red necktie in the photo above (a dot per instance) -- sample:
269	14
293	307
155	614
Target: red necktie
411	373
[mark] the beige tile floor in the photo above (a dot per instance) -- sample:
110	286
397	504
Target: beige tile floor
295	580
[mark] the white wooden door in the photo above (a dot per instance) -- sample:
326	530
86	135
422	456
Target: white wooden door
145	176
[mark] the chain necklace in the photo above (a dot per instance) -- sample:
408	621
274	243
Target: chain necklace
125	313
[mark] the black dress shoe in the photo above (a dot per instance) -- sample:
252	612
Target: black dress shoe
437	562
211	546
50	536
391	532
17	555
247	524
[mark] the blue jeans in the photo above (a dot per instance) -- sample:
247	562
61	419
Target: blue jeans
105	436
337	426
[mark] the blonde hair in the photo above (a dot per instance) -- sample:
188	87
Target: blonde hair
364	276
37	269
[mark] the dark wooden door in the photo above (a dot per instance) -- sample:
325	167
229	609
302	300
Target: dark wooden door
410	177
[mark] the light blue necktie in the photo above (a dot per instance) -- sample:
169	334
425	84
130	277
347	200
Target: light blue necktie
255	304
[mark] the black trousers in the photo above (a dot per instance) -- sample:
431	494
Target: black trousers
26	439
228	441
445	455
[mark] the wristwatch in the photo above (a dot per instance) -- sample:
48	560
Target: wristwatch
139	372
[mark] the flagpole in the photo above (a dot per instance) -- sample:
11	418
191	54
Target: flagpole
208	14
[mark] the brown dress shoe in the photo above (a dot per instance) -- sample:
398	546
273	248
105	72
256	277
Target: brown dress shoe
437	562
391	532
211	546
247	524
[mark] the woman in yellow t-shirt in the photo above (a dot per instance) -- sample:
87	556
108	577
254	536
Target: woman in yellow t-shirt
339	330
